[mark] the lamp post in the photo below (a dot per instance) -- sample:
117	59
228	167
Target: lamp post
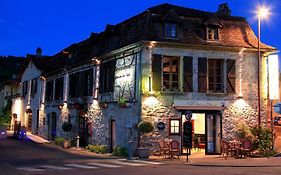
263	12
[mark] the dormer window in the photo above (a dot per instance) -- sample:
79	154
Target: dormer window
171	30
212	33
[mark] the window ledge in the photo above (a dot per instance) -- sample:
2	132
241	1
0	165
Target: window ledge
217	93
172	93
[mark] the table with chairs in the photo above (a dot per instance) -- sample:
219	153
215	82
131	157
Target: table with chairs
236	148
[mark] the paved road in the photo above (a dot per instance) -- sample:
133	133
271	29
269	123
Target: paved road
23	158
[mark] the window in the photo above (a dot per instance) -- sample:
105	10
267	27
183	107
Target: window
174	127
171	30
33	87
49	90
215	75
170	73
88	82
59	88
24	88
212	33
74	90
107	72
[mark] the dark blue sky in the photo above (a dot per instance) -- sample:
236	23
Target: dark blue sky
55	24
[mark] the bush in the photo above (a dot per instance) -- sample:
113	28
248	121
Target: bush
120	151
99	149
5	120
66	127
59	141
263	139
145	127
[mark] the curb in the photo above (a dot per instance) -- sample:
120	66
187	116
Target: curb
227	165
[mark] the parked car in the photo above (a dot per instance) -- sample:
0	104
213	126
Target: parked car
277	121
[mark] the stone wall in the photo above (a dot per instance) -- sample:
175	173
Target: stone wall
236	110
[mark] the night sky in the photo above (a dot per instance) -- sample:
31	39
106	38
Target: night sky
55	24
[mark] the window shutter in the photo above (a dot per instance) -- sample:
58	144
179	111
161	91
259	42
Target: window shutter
231	76
202	74
101	81
90	83
156	72
187	74
112	75
35	85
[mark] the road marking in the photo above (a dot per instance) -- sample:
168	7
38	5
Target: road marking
81	166
56	167
105	165
146	162
127	163
30	169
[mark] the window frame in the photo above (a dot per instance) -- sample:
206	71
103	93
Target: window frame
49	90
215	74
59	89
170	81
88	82
214	33
168	30
179	126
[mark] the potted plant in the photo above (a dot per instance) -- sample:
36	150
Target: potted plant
144	127
122	102
67	127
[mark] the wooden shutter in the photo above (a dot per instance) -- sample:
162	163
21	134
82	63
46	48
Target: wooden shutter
112	75
156	72
101	79
202	74
231	76
35	85
187	74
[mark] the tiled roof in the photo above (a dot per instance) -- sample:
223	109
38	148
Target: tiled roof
148	26
9	67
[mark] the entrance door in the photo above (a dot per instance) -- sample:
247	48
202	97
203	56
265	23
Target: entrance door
29	122
52	126
213	132
83	132
112	135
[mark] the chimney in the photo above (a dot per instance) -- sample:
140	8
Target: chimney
224	10
39	52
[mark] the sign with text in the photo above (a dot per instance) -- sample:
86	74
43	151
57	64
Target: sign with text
124	86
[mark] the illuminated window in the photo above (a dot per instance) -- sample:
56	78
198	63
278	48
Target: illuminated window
212	33
171	30
174	126
170	73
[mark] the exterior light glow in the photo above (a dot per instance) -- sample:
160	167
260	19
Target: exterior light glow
273	77
263	12
151	101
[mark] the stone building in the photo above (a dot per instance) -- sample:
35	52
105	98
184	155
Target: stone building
159	65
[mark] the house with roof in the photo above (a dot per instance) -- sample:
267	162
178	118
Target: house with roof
162	65
10	84
31	91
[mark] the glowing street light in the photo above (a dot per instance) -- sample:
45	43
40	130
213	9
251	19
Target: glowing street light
262	13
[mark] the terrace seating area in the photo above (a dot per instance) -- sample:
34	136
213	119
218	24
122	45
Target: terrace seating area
236	148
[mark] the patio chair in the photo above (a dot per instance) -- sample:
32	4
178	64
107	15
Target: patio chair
174	148
164	148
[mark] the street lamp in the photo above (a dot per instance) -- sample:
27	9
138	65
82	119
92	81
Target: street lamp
262	13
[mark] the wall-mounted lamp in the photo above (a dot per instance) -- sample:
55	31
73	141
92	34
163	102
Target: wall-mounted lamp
96	61
240	96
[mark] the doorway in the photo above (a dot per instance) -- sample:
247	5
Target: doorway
52	125
112	134
206	132
83	131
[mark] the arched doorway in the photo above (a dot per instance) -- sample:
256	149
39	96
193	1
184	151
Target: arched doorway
29	120
52	126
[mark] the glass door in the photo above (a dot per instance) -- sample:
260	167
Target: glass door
213	133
